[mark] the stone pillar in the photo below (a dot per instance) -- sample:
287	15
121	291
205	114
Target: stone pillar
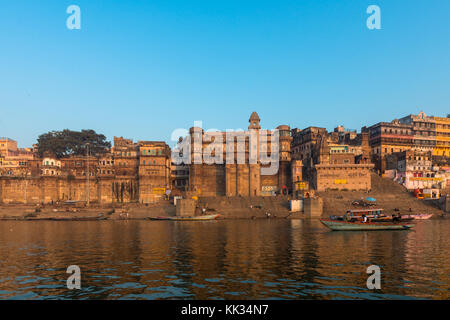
447	204
296	205
185	207
313	207
243	179
230	179
283	174
255	180
238	184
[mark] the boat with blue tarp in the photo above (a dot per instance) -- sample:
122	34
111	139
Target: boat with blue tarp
336	225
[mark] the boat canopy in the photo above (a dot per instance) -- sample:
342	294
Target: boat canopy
359	212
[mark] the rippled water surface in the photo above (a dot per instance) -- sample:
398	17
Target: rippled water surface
267	259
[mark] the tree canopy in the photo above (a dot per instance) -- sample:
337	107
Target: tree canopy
67	142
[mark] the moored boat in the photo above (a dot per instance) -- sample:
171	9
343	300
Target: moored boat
363	226
417	216
191	218
358	214
75	219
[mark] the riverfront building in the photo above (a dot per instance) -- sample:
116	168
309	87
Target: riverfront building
423	131
414	150
154	170
130	172
414	169
419	132
339	160
231	178
387	138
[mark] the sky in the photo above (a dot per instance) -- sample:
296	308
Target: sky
141	69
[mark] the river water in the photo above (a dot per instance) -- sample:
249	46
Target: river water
235	259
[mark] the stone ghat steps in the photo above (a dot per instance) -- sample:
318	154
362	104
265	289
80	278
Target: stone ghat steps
389	194
247	207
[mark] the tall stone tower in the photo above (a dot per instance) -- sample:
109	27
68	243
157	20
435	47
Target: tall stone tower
365	146
324	150
284	174
254	170
254	121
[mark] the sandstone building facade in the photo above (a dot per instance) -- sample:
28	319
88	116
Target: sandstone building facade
143	171
387	138
331	163
241	179
131	172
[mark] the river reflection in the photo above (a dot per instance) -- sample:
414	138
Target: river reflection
241	259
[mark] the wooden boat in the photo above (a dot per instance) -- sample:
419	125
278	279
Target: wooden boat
76	219
417	216
357	215
191	218
363	226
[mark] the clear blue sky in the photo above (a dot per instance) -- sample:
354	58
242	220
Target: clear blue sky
141	69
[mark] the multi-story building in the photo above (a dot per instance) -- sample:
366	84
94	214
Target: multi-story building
339	160
14	161
180	177
386	138
126	158
154	170
343	135
442	147
414	169
423	130
340	169
304	141
50	166
8	147
130	172
233	177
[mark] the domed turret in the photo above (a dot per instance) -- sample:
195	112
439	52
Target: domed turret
254	121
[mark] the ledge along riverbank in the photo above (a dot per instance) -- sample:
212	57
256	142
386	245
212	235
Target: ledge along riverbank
390	196
334	203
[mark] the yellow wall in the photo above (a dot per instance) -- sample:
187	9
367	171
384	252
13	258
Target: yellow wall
396	148
442	137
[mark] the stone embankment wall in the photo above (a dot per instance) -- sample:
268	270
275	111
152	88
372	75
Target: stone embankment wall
38	190
390	196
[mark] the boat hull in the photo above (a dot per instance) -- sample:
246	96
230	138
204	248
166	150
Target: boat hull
360	226
194	218
418	216
79	219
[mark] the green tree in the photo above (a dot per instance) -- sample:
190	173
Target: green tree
67	142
